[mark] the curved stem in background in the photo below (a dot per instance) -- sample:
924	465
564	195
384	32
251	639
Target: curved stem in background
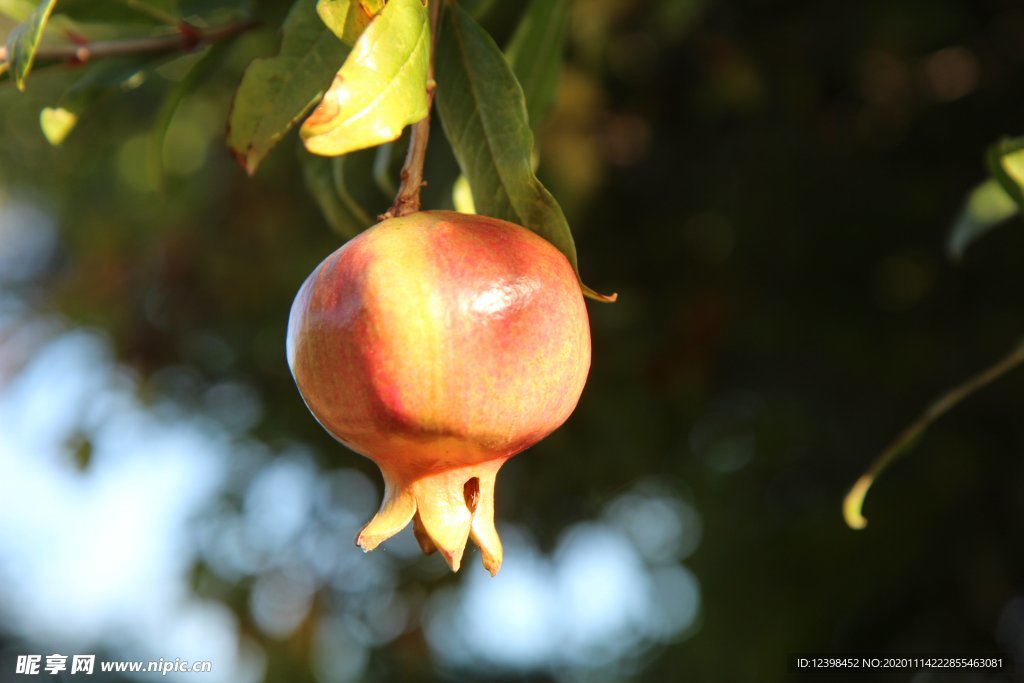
408	198
854	501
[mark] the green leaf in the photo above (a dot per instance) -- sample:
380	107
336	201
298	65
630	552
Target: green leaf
535	53
148	12
477	8
277	91
112	76
348	19
18	10
382	176
197	70
166	11
853	503
484	117
326	182
462	196
381	88
24	41
535	56
159	12
57	123
1006	162
987	206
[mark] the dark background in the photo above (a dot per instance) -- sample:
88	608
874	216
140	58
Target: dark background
769	187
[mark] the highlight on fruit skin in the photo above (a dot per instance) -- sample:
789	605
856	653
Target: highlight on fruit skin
439	345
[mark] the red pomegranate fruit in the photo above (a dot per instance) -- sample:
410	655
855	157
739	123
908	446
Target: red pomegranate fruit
439	345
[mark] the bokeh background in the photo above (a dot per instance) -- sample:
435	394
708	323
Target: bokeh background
769	186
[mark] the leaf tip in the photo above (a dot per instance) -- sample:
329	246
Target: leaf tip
247	159
597	296
56	123
853	504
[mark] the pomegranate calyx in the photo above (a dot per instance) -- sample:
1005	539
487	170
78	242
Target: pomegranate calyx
447	508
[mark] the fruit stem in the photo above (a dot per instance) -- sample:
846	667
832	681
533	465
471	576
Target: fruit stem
408	198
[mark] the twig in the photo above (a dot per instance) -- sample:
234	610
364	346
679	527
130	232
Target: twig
185	40
854	501
408	198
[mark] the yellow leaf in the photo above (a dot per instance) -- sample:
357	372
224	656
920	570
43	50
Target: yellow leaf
381	88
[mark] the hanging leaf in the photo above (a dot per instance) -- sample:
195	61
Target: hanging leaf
381	88
853	503
24	41
277	91
477	8
170	9
18	10
167	11
462	196
347	19
326	182
484	117
197	70
56	123
1006	162
535	53
988	205
382	175
151	12
109	77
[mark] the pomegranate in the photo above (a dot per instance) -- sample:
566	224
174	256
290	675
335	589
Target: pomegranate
439	345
